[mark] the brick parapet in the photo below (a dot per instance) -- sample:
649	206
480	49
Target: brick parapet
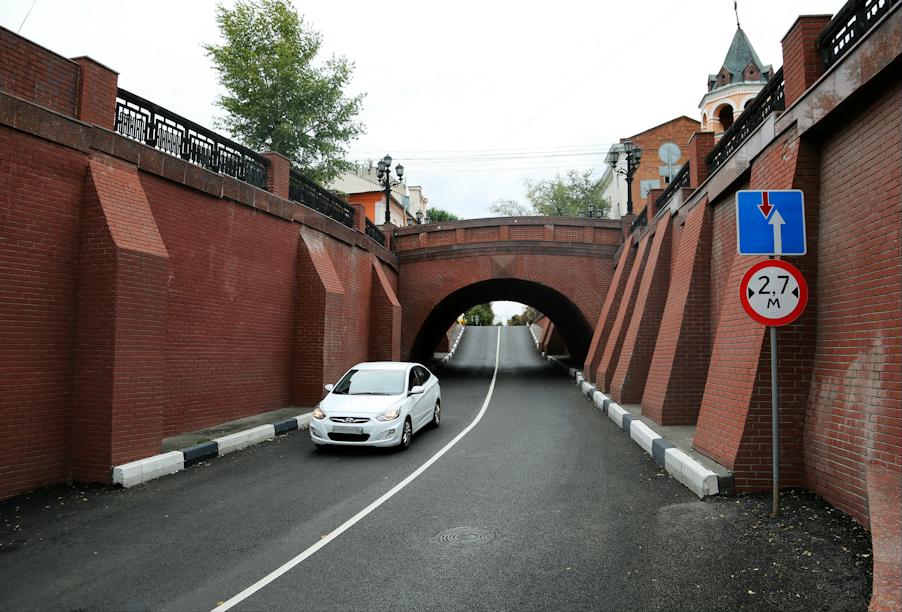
98	87
38	75
54	127
802	62
278	174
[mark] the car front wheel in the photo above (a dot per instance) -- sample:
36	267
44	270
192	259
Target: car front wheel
437	414
406	436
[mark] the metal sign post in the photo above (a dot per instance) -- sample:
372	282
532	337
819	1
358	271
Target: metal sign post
774	420
773	292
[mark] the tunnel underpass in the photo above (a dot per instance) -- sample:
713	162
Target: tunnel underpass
567	318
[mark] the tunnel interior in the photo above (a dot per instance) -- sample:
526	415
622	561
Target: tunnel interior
567	318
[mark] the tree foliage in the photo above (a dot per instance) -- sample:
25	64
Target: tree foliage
481	314
510	208
527	317
568	196
437	215
278	98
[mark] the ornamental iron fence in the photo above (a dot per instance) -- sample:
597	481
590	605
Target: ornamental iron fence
157	127
305	191
848	26
375	234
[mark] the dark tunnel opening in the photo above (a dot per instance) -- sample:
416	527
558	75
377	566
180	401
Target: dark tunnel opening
567	318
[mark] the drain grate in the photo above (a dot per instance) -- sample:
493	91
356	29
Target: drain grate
464	537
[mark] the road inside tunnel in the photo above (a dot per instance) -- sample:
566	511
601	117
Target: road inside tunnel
560	310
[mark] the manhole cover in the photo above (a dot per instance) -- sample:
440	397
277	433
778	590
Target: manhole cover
464	537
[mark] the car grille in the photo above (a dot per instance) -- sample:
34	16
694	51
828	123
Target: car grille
343	437
348	420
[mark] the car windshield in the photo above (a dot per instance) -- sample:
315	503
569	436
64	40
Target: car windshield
371	382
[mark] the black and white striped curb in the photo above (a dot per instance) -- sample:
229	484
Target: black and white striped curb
696	477
142	470
450	354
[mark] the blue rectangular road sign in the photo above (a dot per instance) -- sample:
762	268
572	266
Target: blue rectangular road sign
770	222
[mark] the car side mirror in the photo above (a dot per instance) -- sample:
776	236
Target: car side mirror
329	387
418	389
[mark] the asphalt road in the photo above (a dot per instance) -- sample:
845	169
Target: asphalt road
543	505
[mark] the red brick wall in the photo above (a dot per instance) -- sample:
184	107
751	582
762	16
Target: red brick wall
231	304
853	409
39	231
120	381
734	419
33	73
675	385
608	363
628	380
608	312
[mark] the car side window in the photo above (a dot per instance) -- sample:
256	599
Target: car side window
423	374
412	379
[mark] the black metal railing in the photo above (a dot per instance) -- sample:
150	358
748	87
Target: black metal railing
375	234
155	126
679	180
305	191
848	26
640	221
768	100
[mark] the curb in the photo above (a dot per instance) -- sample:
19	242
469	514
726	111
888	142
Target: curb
696	477
150	468
450	354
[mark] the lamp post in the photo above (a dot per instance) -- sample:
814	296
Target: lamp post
633	156
419	217
383	172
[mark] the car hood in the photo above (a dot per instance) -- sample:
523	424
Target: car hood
358	404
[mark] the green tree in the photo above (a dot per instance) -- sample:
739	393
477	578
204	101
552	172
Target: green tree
278	99
510	208
437	215
530	315
569	196
481	314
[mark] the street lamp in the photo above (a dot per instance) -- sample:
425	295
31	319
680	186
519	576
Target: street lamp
419	217
383	172
633	156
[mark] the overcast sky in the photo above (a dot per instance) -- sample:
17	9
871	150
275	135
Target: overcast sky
472	97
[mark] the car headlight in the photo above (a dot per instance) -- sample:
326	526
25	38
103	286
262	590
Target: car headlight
318	413
390	415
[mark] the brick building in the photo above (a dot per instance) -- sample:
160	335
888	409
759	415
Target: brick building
663	153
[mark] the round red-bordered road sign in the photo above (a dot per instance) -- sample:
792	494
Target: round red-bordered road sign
773	292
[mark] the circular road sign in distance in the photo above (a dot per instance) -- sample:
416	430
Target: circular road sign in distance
773	292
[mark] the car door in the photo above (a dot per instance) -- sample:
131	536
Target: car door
429	395
416	401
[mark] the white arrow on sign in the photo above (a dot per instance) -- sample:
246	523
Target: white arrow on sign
777	222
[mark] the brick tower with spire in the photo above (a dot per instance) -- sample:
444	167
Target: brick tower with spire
741	76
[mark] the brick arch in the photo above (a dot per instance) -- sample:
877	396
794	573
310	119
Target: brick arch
573	326
562	265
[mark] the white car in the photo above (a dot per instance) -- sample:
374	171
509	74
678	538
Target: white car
377	404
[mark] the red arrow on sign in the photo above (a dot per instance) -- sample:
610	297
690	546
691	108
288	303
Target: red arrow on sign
765	207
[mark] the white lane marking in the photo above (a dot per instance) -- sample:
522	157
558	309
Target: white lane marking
360	515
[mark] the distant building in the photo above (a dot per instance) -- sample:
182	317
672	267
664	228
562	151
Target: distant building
419	203
362	187
741	76
663	153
